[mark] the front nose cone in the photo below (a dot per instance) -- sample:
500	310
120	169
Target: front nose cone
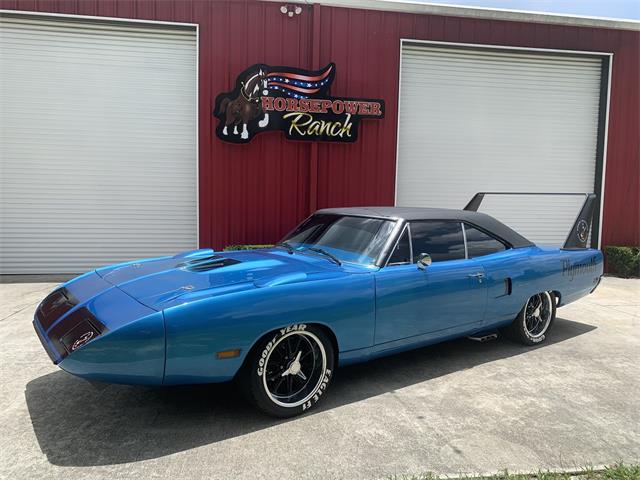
133	353
93	329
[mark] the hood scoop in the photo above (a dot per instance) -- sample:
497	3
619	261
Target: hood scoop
206	264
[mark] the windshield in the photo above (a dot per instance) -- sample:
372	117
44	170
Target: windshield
349	239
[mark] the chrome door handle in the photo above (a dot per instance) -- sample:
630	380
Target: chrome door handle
478	275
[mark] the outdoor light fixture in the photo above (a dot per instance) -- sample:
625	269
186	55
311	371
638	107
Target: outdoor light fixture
291	10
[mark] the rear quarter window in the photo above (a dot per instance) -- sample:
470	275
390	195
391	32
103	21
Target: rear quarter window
480	243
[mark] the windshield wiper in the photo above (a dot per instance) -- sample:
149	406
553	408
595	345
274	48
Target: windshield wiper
286	246
324	252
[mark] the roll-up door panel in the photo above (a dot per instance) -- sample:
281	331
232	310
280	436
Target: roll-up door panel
493	120
97	143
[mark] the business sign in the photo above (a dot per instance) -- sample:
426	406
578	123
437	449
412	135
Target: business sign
292	100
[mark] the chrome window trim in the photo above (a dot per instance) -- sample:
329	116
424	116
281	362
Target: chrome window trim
464	237
385	253
406	228
410	243
391	243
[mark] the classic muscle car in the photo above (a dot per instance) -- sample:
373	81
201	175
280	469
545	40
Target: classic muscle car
345	286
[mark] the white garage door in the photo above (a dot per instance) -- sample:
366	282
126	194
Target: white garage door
97	143
486	120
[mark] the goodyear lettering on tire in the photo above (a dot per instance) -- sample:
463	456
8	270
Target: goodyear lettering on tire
283	331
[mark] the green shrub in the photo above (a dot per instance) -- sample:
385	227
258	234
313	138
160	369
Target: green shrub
623	261
246	247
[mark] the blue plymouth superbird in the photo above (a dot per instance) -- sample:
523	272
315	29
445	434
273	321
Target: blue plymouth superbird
345	286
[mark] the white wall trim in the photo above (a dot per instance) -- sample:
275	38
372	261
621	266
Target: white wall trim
408	6
398	106
95	18
197	26
489	46
604	151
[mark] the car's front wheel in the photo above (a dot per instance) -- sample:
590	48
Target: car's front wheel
534	320
290	370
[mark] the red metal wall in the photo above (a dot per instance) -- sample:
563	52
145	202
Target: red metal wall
254	193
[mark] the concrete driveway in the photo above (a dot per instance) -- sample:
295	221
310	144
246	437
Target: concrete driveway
457	407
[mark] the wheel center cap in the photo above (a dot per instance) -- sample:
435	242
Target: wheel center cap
537	312
294	369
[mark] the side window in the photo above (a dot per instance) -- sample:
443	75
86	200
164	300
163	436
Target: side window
401	253
479	243
442	240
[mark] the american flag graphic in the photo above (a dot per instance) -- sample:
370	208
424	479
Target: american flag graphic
300	86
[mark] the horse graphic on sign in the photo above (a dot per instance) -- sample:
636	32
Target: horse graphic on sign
293	100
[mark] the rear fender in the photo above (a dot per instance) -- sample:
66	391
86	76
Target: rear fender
570	273
581	273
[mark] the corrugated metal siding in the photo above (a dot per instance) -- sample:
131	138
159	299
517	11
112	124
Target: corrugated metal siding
621	224
256	192
249	193
346	34
364	47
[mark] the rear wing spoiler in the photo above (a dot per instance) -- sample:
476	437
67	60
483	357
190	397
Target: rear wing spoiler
579	233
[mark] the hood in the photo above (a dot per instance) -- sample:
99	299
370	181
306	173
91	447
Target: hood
163	282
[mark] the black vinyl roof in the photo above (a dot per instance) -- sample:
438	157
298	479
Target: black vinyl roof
482	220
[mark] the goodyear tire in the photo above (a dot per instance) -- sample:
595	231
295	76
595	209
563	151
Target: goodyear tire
534	320
290	370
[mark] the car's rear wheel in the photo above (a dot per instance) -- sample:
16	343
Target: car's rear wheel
534	320
290	370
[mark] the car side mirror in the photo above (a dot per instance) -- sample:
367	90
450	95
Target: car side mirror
424	260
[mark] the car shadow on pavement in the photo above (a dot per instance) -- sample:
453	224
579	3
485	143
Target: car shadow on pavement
78	423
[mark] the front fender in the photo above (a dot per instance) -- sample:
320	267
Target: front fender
197	331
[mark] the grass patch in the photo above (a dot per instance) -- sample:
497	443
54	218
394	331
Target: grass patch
618	471
622	472
623	261
245	247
